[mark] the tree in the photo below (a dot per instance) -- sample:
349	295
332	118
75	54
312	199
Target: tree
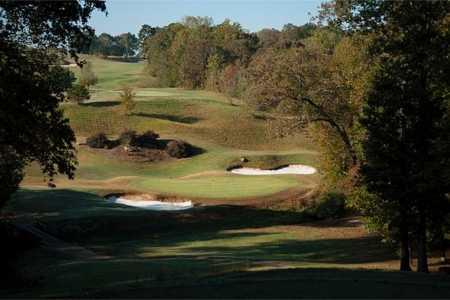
192	53
32	128
87	76
309	76
104	44
213	68
406	117
127	97
161	54
229	83
129	42
145	32
60	78
108	45
77	93
268	38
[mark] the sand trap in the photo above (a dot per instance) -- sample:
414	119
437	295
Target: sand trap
291	169
152	204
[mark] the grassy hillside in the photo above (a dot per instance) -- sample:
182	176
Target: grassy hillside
207	120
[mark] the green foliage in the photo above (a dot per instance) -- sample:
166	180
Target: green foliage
192	53
125	44
129	42
145	32
406	116
32	127
147	140
99	140
60	78
330	205
304	77
78	93
371	206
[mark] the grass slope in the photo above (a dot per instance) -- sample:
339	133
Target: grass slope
225	133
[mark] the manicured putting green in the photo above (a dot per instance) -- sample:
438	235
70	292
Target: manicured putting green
227	186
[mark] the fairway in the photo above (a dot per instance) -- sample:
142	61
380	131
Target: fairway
223	132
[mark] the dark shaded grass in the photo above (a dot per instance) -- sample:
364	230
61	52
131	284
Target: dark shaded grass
172	118
300	283
101	103
121	233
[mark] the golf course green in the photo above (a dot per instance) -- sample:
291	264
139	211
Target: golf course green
245	237
207	120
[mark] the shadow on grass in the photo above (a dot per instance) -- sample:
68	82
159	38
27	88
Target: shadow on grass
87	219
299	283
95	218
172	118
338	251
101	103
211	258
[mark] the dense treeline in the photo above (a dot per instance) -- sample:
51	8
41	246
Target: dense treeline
195	53
125	44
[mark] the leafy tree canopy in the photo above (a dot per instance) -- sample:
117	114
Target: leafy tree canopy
32	127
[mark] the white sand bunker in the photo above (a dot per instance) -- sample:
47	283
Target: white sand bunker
291	169
153	204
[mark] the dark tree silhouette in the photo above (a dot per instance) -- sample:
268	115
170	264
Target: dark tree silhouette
407	148
32	127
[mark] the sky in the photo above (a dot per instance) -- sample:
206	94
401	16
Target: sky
130	15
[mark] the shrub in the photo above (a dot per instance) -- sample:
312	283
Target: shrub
127	97
77	93
147	140
179	149
87	76
330	205
99	140
127	137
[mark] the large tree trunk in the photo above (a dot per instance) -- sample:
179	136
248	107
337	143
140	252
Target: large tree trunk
422	259
404	244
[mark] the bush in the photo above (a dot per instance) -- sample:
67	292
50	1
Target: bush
127	97
77	93
179	149
99	140
87	76
127	137
146	140
330	205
